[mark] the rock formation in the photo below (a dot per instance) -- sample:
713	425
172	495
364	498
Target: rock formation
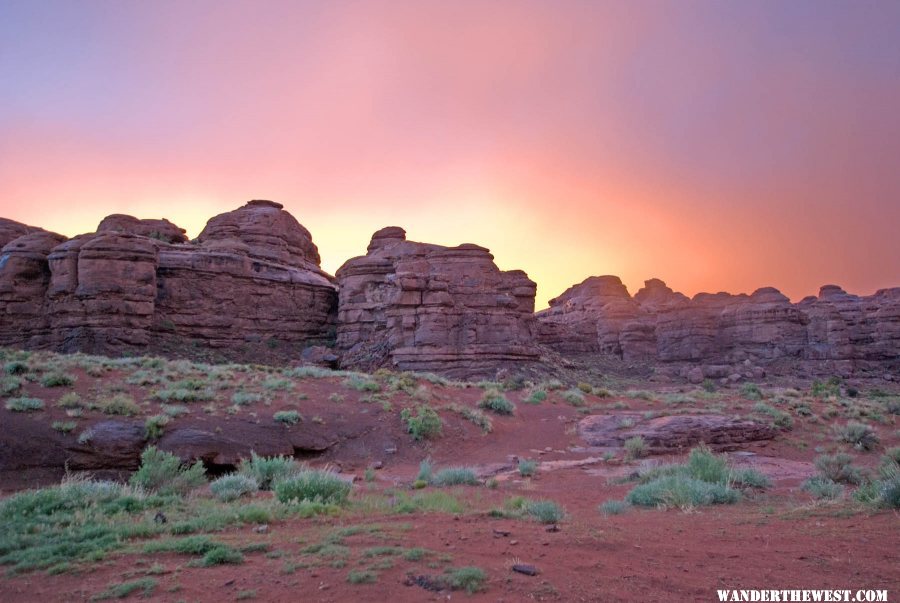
251	277
426	307
834	333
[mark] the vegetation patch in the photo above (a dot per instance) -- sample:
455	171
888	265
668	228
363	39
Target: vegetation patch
24	404
424	424
313	486
495	401
164	473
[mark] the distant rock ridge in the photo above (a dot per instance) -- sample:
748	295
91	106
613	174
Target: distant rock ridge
836	331
250	287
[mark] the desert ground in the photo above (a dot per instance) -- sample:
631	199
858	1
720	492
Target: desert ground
412	487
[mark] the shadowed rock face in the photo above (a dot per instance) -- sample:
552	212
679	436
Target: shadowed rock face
252	276
835	332
417	306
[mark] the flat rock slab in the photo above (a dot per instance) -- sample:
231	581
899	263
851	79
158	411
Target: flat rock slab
662	434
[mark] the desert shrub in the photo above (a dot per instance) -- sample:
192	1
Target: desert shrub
164	473
635	448
362	384
573	397
825	389
181	393
469	579
276	384
362	577
837	468
859	435
70	400
64	426
221	555
527	468
16	367
613	507
536	397
426	471
24	404
544	511
474	415
455	476
265	471
681	491
314	486
154	426
56	379
119	404
708	386
822	488
585	387
287	417
749	478
9	385
780	418
233	486
426	423
242	398
495	401
751	391
125	589
174	410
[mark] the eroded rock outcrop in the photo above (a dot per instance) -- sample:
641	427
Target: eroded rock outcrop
252	277
417	306
835	333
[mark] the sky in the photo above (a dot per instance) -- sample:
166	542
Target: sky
716	145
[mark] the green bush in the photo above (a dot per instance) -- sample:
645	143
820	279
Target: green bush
287	417
242	398
70	400
455	476
527	468
124	589
64	426
469	579
426	423
859	435
573	397
361	577
536	397
681	491
16	367
265	471
164	473
24	404
545	511
154	426
585	387
9	385
362	384
837	468
313	486
751	391
635	448
120	404
426	471
495	401
233	486
613	507
57	380
830	388
822	488
221	555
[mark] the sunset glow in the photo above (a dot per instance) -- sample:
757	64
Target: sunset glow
718	146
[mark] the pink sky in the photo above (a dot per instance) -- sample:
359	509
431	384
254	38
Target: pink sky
718	146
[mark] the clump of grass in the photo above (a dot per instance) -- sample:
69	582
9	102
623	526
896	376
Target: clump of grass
635	448
470	579
473	415
751	391
426	471
494	400
16	367
64	426
174	410
125	589
362	384
826	389
823	488
9	385
780	418
287	417
221	555
119	404
242	398
362	577
154	426
455	476
314	486
164	473
682	492
613	507
70	400
24	404
527	468
276	384
425	424
838	468
335	397
859	435
552	384
233	486
536	396
185	391
585	387
265	471
573	397
545	511
56	379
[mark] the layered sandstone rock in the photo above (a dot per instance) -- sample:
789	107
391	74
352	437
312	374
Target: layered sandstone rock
253	276
417	306
835	333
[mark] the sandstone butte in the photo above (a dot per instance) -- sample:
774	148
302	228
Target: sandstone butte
250	288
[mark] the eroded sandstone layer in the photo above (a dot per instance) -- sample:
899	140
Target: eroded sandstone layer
722	335
425	307
251	277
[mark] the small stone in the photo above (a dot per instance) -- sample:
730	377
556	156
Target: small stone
525	568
